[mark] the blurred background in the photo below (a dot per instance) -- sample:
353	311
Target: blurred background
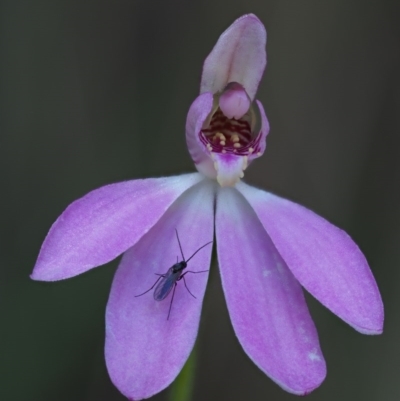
94	92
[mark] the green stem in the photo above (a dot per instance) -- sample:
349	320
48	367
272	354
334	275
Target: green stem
182	387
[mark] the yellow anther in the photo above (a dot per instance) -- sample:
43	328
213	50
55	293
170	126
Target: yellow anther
237	145
251	150
220	135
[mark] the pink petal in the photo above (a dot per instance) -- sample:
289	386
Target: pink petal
323	258
261	141
145	351
197	115
239	56
265	301
104	223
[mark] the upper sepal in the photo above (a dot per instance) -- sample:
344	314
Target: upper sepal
239	56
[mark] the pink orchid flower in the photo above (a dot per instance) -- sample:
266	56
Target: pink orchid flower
268	247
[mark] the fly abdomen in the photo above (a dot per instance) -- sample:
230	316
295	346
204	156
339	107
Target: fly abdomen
166	284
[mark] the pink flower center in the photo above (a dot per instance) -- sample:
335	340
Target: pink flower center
228	135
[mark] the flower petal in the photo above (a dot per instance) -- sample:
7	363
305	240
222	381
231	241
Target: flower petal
104	223
323	258
265	301
239	56
197	115
261	141
258	145
145	351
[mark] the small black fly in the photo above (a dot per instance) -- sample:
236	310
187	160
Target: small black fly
174	274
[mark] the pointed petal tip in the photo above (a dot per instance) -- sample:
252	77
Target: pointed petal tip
43	273
250	17
306	389
238	56
33	276
303	393
40	274
373	330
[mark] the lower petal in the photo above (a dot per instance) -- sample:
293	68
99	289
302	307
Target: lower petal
265	302
104	223
323	258
145	351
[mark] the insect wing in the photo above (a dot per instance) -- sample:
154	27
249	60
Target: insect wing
166	284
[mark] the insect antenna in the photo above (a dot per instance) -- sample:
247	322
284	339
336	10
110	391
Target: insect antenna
180	247
208	243
179	242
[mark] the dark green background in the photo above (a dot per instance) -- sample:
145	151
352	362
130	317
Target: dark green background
94	92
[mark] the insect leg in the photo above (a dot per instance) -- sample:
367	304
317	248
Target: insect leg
150	287
183	277
170	305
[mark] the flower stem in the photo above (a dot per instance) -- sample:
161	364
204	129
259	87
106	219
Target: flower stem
182	387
